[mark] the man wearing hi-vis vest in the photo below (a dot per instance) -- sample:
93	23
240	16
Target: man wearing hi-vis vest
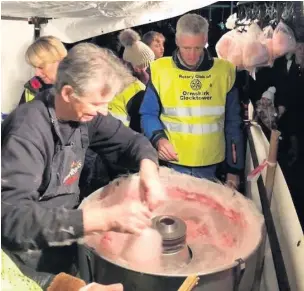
191	110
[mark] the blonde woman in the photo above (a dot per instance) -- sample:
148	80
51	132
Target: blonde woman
44	55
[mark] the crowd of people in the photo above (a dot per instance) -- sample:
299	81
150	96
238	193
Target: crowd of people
88	116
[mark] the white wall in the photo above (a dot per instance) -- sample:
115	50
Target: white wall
16	36
285	218
111	16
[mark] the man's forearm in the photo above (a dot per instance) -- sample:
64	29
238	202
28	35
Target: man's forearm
33	227
149	166
141	149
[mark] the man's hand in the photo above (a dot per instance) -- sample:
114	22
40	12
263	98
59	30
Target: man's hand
128	217
233	181
151	187
99	287
166	151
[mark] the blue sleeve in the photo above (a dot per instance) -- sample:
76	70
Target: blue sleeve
234	132
150	111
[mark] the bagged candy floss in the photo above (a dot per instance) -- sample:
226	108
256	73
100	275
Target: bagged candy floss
224	44
235	52
255	52
266	39
283	40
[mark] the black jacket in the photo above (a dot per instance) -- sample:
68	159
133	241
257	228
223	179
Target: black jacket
27	151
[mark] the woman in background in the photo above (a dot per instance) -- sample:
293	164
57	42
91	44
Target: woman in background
136	53
156	42
44	55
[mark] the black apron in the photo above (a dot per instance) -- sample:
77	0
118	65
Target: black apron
62	191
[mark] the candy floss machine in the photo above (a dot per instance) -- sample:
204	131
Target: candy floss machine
204	228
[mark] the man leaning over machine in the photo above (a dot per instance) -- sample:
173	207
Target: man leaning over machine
43	148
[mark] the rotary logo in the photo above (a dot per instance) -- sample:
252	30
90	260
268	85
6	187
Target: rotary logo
196	84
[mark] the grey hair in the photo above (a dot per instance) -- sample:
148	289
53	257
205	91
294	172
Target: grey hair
192	24
86	66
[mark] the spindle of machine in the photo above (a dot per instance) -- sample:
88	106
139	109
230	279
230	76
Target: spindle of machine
173	231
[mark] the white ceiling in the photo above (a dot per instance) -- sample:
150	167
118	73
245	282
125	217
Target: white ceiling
78	20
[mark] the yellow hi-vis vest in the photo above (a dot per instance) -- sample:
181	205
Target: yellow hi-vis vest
193	109
29	96
118	106
12	278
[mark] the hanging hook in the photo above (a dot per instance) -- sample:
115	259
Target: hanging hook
268	10
255	11
288	12
243	13
273	10
262	16
210	14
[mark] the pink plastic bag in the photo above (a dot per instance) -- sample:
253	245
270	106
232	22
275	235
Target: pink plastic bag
255	53
223	45
268	32
254	31
283	39
235	53
266	39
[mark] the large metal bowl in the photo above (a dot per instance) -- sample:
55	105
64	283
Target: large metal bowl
235	275
239	276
